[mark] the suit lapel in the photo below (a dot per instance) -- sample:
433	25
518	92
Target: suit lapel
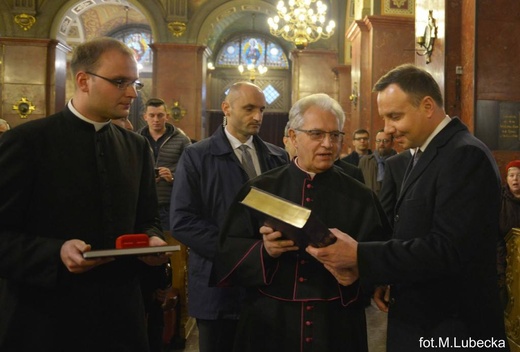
444	136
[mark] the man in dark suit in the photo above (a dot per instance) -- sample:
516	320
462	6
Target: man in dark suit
395	167
441	262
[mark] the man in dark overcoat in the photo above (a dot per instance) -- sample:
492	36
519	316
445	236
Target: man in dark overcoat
208	177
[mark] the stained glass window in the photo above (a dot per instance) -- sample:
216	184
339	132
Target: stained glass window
230	54
247	49
139	40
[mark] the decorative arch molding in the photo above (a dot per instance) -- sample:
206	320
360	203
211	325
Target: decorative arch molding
207	28
70	11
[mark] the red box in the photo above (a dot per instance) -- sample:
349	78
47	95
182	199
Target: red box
132	241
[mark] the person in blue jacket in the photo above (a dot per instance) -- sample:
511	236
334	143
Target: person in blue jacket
208	177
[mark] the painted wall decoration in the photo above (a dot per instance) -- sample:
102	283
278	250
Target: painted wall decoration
398	7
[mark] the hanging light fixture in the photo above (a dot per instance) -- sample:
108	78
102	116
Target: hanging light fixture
252	70
300	22
251	67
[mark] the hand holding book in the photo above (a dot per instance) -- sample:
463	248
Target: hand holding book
274	244
295	222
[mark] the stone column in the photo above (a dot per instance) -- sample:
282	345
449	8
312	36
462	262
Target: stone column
179	76
379	43
313	72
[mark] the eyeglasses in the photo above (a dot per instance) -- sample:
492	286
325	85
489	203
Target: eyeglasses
361	139
319	135
121	84
384	141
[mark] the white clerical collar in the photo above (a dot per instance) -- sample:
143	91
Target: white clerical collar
97	125
311	174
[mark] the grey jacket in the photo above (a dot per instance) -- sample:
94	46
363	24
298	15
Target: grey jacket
169	153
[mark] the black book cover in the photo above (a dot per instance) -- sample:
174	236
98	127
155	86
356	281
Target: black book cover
295	222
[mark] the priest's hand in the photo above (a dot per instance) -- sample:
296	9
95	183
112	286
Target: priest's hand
340	255
274	244
71	254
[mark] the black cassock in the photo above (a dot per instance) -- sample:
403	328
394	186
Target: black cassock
293	303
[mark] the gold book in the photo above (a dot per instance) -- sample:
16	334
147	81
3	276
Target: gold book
295	222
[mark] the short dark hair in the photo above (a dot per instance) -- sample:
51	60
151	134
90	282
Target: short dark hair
414	81
360	131
155	102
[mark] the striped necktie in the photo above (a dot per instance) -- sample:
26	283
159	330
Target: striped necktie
247	161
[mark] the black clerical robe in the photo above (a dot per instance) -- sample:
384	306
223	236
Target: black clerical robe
62	180
293	302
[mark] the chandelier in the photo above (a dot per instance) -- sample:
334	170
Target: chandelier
300	22
252	69
252	53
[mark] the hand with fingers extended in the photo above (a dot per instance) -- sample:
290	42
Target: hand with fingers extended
339	258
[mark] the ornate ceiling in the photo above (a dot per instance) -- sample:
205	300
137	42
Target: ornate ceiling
209	23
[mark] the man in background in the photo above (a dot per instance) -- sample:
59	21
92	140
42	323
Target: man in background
70	183
167	144
373	165
208	177
360	140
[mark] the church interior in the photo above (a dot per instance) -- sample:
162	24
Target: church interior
191	51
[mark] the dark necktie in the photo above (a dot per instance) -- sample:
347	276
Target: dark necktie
380	168
411	164
247	161
416	156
